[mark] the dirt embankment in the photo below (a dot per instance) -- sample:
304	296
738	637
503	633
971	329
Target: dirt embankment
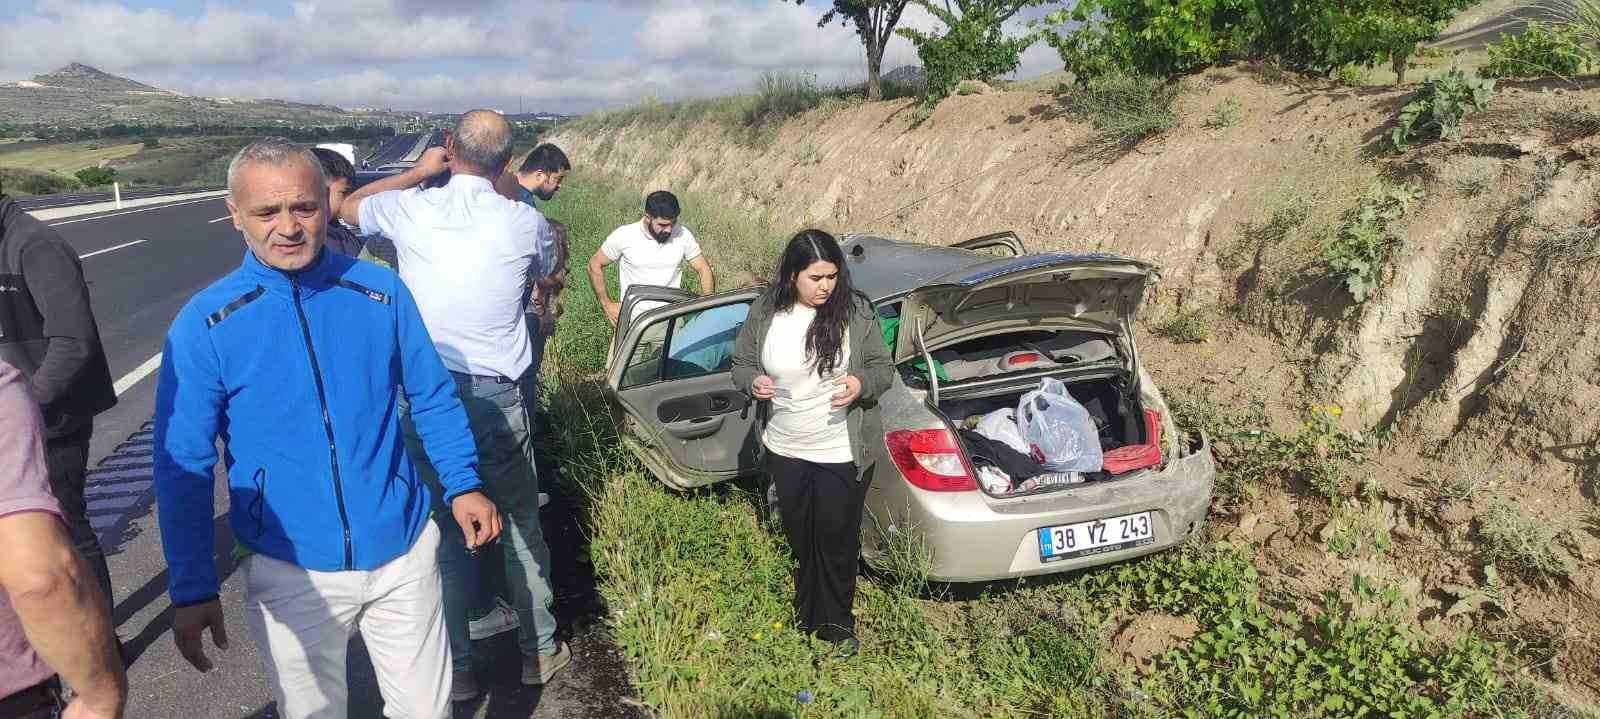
1478	353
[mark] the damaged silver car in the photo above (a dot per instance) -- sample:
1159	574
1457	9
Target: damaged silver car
972	327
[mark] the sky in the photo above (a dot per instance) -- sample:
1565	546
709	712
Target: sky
449	55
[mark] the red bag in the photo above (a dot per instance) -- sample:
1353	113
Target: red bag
1123	460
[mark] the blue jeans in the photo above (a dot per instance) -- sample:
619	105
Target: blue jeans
498	417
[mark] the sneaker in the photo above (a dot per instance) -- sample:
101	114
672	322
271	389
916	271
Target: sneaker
543	499
463	687
499	620
537	670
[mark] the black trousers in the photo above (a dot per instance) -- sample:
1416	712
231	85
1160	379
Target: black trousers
820	506
67	461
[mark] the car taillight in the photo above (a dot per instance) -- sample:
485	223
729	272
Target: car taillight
930	459
1018	359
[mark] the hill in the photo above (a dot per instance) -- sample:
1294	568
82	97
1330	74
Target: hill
82	96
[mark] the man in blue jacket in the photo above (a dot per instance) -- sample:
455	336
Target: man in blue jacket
296	360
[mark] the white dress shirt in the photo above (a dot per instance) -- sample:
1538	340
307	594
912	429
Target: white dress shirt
466	253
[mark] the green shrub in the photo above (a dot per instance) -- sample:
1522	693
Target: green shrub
1185	326
94	176
1537	53
1513	538
1357	254
1224	115
1127	107
1437	108
152	142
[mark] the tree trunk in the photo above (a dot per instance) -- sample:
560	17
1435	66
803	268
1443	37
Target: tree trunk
874	70
1400	62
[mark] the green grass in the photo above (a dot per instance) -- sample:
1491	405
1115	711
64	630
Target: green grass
699	590
18	182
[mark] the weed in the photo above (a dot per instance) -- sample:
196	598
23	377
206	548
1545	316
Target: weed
1444	488
1476	599
1570	245
1127	108
1185	326
1359	531
1352	76
1357	254
1438	107
1224	115
1518	540
1537	52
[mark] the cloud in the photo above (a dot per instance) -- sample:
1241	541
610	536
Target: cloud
565	55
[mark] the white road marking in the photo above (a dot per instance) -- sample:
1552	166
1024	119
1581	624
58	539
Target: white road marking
129	212
108	249
132	378
219	219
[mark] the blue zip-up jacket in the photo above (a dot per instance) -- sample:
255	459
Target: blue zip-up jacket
299	374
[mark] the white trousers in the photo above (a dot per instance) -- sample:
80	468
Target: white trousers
302	622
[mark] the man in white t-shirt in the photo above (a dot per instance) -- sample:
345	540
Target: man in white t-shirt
650	252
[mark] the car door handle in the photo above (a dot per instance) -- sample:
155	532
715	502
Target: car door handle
720	404
697	428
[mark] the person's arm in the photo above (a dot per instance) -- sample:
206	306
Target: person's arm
432	162
55	279
876	363
708	284
747	355
62	611
597	280
190	400
441	423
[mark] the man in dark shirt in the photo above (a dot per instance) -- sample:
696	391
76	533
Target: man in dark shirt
341	177
47	330
52	617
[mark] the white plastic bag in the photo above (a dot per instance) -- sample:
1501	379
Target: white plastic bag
1059	430
1001	426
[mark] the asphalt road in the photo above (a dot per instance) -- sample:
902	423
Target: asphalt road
141	266
41	202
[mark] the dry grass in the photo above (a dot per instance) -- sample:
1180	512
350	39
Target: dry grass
66	157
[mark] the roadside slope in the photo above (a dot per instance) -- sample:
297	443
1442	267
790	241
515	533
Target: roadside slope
1473	360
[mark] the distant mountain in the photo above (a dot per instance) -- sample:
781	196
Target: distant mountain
906	75
82	96
78	76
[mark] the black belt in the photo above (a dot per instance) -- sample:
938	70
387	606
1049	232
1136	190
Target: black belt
30	702
497	379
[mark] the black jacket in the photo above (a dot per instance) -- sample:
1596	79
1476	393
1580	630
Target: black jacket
47	328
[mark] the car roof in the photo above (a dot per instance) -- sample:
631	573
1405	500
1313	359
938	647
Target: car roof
883	269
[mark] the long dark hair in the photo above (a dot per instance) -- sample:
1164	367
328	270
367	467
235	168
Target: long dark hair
825	339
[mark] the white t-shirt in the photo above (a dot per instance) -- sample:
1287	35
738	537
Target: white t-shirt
804	424
641	260
466	254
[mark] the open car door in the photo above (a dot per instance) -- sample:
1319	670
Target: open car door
671	386
636	301
1003	244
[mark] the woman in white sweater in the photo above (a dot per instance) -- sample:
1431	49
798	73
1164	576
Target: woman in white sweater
812	351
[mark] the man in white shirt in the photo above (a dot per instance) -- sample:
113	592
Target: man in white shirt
467	253
651	251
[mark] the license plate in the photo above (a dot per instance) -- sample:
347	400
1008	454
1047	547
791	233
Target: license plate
1096	536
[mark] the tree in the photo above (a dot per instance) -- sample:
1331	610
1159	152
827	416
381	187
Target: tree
874	22
94	176
973	45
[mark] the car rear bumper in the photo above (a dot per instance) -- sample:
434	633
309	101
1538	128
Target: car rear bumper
973	538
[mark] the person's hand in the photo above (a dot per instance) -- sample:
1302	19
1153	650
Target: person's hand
849	390
613	312
763	388
80	709
434	161
188	625
479	520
